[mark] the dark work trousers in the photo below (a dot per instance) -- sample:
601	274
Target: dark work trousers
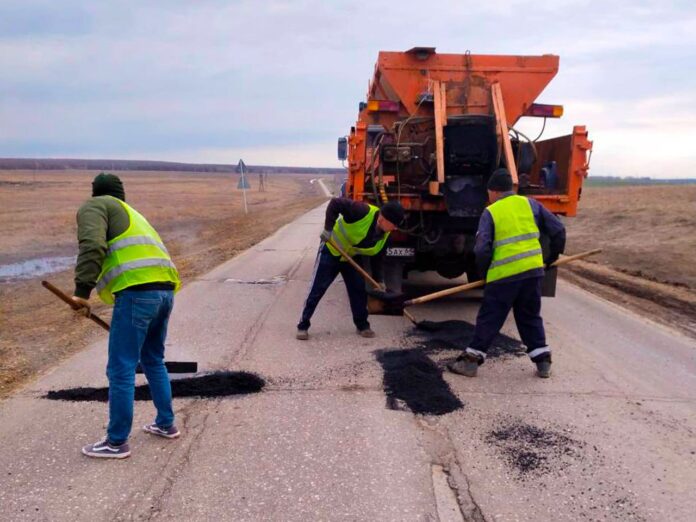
326	268
524	297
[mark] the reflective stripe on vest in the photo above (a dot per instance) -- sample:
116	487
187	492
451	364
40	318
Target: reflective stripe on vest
136	240
347	235
135	257
121	269
515	239
516	247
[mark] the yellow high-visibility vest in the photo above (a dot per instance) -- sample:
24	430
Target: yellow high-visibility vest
135	257
347	235
516	246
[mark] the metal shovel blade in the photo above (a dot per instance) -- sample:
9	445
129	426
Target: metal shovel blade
175	367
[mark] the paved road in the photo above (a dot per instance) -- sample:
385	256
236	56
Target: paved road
322	185
611	436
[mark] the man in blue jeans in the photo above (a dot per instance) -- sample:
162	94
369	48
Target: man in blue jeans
124	259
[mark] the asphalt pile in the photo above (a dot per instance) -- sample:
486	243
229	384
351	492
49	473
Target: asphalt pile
216	384
412	378
532	450
456	335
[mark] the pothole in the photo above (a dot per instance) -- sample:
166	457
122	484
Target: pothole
412	380
216	384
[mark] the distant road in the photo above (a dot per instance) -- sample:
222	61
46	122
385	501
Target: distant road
323	186
611	436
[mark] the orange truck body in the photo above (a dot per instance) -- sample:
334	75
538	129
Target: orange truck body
432	130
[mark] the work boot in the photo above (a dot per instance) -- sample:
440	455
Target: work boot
367	333
302	335
466	365
544	369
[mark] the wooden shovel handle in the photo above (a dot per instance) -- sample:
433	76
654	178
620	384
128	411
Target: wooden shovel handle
355	265
479	284
64	297
363	273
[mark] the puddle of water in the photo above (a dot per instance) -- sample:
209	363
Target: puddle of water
35	267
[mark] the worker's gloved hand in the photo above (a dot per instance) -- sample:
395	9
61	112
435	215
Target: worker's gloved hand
325	235
390	303
551	260
84	309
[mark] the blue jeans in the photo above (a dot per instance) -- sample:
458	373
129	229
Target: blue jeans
138	331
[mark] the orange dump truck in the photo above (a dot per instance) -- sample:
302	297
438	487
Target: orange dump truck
433	129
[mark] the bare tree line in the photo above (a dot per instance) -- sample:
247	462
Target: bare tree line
121	165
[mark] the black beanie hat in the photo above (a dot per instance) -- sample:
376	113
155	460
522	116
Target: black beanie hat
393	212
108	185
500	181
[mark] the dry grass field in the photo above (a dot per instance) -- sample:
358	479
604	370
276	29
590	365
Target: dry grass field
648	231
199	216
648	238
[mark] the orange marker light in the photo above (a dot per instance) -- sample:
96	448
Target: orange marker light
541	110
382	106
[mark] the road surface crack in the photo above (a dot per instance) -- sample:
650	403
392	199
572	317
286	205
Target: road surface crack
437	444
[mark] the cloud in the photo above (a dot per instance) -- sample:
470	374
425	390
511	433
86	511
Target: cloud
169	79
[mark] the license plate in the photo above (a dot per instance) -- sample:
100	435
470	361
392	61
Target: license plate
401	252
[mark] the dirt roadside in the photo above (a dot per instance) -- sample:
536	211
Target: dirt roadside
673	306
646	233
199	216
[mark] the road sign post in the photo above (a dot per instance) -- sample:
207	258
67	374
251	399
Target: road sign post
243	183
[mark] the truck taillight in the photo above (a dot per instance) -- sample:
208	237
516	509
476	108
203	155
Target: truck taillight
382	106
541	110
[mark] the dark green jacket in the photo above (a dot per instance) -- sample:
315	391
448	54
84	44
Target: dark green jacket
99	220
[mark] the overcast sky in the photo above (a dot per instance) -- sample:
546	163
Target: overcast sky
276	82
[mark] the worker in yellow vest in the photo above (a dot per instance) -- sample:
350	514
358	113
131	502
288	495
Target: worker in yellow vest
509	252
124	259
360	229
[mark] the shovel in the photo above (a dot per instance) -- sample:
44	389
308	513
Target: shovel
172	366
478	284
382	305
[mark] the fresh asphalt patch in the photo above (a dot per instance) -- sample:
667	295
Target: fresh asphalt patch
455	335
413	380
549	457
216	384
531	450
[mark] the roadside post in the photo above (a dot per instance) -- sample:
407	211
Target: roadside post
243	183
